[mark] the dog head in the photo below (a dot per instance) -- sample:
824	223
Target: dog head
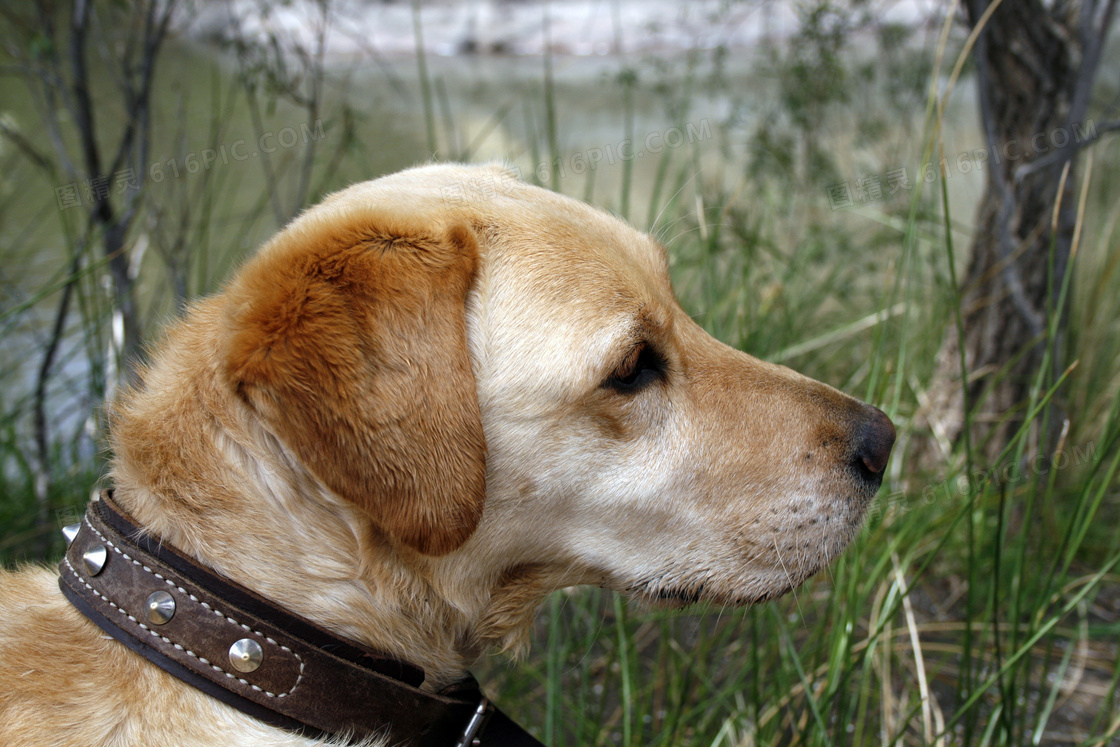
501	379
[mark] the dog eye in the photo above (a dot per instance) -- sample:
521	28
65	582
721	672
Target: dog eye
642	367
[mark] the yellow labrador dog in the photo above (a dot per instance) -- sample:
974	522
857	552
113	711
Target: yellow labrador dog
424	405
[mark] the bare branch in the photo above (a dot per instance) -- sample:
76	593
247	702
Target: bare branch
27	148
83	106
44	480
1060	156
1093	38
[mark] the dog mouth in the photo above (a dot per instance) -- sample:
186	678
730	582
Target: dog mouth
654	593
759	564
658	594
679	598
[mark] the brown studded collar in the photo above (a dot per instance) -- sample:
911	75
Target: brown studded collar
255	656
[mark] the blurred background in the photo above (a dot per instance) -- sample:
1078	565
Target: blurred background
861	190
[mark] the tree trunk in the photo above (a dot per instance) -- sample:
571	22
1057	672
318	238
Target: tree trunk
1035	65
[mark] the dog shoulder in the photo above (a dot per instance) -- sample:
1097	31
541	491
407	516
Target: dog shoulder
64	682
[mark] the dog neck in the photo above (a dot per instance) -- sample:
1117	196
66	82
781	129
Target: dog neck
197	470
345	581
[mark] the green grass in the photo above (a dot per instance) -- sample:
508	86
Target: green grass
1003	596
976	614
983	614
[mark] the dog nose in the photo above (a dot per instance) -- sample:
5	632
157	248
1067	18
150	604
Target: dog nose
875	439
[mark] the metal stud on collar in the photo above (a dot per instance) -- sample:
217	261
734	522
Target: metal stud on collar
246	655
70	531
161	607
95	559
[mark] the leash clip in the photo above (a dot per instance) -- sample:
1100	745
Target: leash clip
472	734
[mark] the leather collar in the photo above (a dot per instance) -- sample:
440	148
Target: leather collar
255	656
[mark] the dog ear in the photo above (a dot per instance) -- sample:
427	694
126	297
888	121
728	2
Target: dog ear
347	335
